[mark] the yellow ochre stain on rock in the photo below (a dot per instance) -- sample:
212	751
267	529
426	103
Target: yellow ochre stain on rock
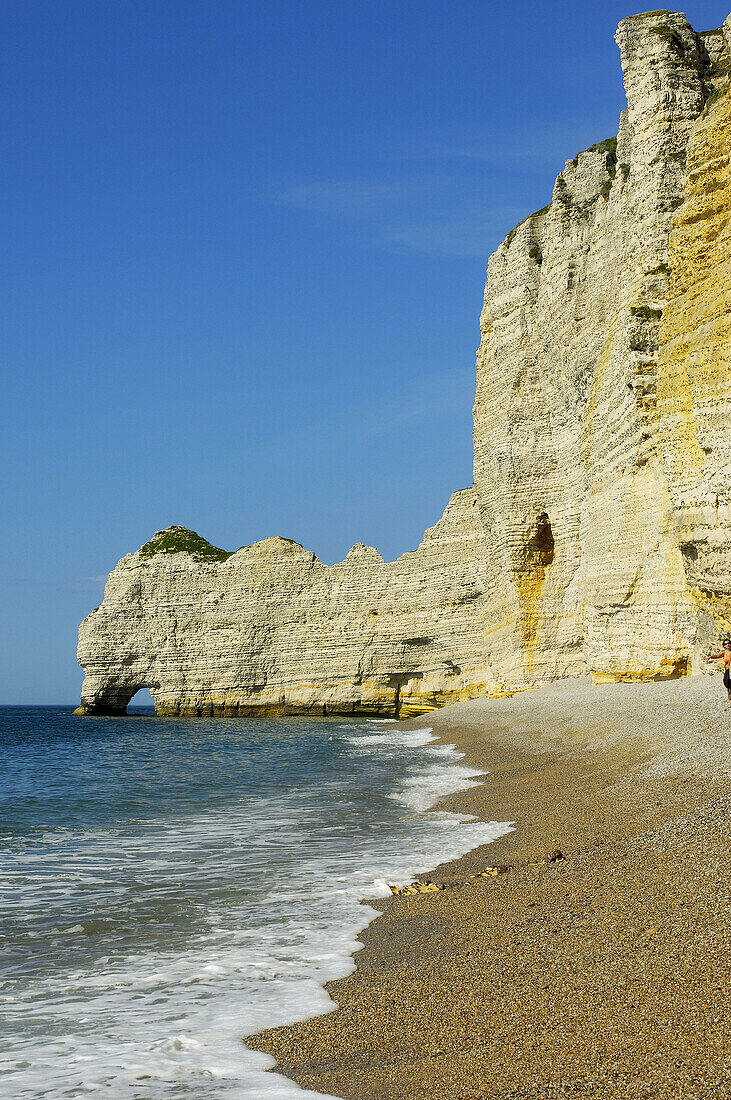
530	578
694	384
378	702
669	669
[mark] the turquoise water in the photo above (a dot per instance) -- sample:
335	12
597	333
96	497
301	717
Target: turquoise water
168	886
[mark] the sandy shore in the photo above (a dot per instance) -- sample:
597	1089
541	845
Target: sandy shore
605	974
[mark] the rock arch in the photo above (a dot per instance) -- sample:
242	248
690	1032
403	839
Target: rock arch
113	698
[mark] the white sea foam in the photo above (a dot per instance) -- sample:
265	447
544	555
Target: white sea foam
411	739
423	791
428	785
168	1022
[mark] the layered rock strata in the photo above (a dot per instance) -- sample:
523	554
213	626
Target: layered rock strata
271	630
597	536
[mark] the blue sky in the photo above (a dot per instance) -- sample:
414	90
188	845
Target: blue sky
242	266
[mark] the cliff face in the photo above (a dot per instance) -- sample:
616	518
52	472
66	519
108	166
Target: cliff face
603	361
597	537
272	630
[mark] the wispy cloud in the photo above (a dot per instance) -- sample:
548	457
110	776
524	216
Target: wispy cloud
74	584
454	233
437	394
353	198
540	145
441	194
89	584
507	156
435	213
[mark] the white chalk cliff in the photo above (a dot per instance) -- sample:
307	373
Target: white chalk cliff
597	535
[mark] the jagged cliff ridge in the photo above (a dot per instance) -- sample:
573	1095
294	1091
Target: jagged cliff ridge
270	629
597	536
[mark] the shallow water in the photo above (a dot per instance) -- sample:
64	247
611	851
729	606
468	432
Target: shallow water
168	886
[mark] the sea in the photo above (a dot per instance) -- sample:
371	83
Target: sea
170	886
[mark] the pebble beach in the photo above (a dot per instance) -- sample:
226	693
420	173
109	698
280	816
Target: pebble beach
603	973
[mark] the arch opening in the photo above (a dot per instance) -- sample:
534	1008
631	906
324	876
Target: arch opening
141	702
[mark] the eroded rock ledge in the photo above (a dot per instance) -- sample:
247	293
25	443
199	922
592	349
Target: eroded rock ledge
597	536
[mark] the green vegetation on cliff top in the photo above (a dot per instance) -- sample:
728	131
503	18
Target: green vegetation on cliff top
608	146
670	34
535	214
180	540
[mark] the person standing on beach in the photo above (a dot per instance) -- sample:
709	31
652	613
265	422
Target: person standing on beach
726	655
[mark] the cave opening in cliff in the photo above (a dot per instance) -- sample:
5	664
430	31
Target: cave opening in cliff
540	545
141	702
537	554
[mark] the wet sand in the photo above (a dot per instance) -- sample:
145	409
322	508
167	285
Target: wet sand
604	974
